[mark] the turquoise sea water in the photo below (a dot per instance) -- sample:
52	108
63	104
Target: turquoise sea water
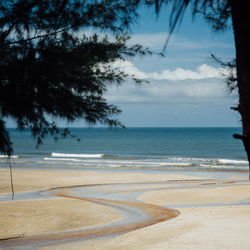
132	148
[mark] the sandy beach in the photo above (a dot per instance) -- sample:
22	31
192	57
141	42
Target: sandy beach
120	210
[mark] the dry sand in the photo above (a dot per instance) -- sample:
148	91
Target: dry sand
195	228
23	218
213	214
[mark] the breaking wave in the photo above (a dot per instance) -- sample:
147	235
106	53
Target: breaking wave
232	162
6	156
77	155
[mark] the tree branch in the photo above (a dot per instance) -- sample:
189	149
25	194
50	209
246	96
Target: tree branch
40	36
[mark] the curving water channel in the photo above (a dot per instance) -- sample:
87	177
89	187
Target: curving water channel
121	197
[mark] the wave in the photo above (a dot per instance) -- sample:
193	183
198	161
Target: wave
117	163
201	161
124	161
223	167
6	156
176	164
228	161
77	155
61	159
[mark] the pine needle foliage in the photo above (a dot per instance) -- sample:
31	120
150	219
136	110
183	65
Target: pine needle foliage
55	63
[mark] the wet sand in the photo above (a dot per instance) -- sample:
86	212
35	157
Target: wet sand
121	210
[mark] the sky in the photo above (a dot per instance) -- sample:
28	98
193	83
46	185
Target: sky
186	86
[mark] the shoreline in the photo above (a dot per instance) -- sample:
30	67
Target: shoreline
208	213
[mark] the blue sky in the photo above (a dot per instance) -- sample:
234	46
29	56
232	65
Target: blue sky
186	87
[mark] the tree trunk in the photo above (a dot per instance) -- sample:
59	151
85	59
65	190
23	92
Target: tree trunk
241	25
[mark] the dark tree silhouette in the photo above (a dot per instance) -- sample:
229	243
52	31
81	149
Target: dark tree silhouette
50	68
241	25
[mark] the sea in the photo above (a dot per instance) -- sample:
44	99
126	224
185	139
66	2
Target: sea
147	149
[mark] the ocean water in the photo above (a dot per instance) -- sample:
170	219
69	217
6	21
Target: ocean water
132	148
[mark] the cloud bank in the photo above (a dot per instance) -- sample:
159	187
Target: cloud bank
203	71
205	84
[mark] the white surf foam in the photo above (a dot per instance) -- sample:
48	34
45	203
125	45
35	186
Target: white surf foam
227	161
61	159
176	164
77	155
6	156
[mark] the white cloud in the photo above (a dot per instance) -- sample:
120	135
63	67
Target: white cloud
202	71
129	68
205	84
159	91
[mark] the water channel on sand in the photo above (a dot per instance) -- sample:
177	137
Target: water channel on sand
120	197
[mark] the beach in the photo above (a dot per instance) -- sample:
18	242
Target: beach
58	209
